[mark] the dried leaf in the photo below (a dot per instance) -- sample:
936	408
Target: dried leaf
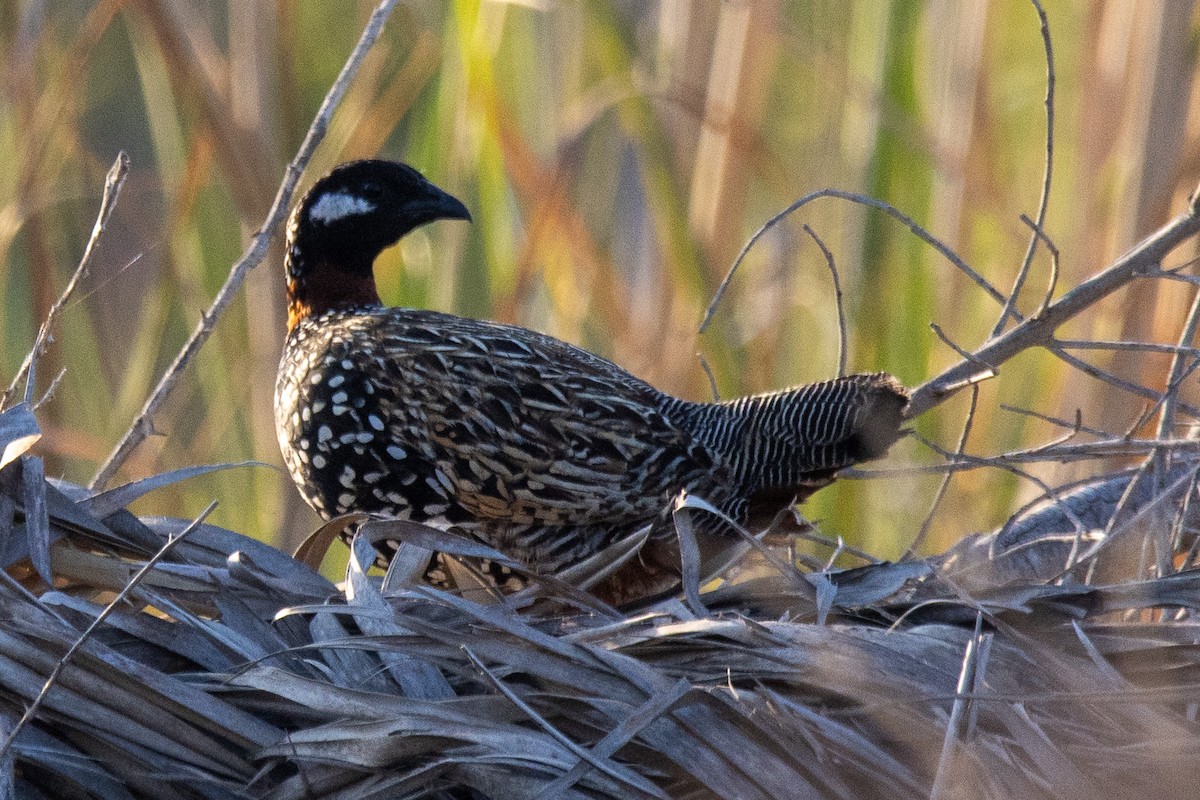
19	431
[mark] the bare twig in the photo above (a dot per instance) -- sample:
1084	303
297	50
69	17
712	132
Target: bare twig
837	297
1059	452
954	725
167	547
712	379
1120	383
1052	283
1023	273
254	254
1039	330
946	340
945	484
1144	347
50	390
853	197
1167	421
1169	400
113	183
1076	426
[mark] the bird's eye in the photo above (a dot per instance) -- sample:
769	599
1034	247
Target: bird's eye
371	191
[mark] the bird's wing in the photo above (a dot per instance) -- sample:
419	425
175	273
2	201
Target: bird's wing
531	430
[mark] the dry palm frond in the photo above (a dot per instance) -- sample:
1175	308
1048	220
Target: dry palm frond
231	670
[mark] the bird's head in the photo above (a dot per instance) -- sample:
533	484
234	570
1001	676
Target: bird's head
362	207
346	219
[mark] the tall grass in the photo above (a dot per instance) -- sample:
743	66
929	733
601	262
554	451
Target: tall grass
615	157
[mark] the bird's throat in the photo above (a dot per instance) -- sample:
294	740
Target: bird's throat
328	289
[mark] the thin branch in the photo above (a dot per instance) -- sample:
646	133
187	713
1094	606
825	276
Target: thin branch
1039	330
1076	427
1010	305
852	197
945	484
1169	400
1057	452
50	390
959	709
1052	283
712	379
837	298
254	254
113	182
1167	421
167	547
1120	383
946	340
1144	347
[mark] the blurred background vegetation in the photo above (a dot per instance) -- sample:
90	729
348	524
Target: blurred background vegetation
615	156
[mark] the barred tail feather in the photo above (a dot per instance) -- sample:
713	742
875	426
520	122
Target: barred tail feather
790	443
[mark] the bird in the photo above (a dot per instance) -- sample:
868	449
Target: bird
535	447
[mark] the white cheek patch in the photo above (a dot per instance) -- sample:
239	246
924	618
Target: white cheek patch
339	205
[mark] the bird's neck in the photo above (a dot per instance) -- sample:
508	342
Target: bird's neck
315	286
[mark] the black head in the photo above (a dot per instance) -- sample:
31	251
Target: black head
362	207
343	223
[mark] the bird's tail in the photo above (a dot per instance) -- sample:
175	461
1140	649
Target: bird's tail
790	443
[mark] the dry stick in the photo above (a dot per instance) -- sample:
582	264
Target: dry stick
1039	330
837	296
986	370
1007	464
112	190
1056	452
954	725
1077	426
1169	395
1010	305
941	492
167	547
1175	273
1051	284
1113	380
1167	421
712	379
255	253
1146	347
50	390
853	197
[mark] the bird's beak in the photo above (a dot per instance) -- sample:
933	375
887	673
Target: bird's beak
444	206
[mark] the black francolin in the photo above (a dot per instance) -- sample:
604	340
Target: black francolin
535	447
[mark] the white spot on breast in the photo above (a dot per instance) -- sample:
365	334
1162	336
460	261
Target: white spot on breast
318	461
336	381
339	205
397	452
340	398
324	434
376	422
